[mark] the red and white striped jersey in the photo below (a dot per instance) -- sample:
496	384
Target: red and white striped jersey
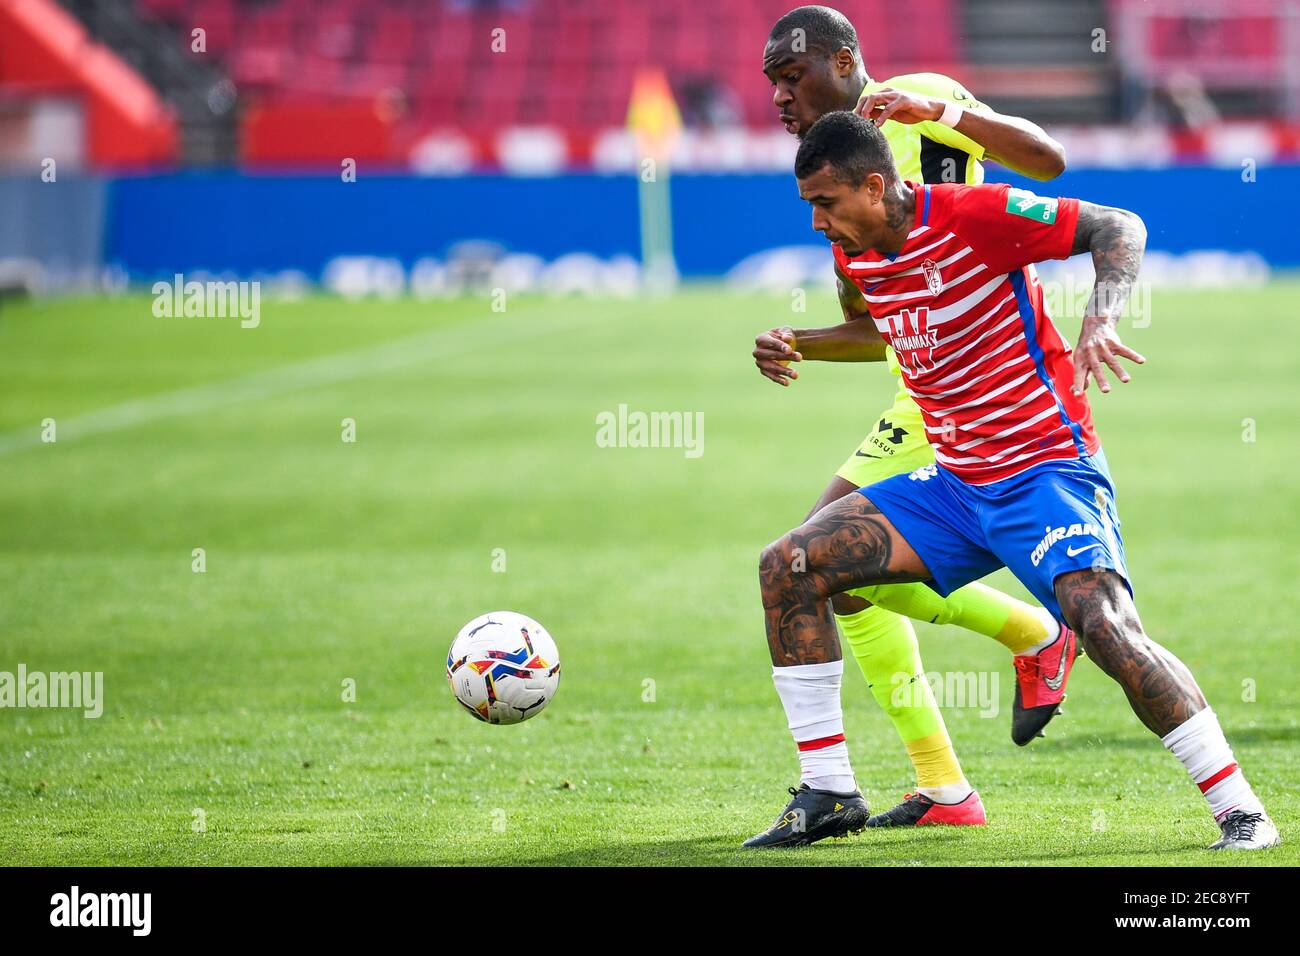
963	309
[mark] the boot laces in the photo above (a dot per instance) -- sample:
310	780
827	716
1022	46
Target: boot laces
1241	826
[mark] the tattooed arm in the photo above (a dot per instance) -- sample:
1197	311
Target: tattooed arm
854	340
1116	239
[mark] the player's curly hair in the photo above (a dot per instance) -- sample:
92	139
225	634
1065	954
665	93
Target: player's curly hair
824	29
854	148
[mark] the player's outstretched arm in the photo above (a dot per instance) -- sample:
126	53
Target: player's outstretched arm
1015	142
1012	141
856	340
1116	238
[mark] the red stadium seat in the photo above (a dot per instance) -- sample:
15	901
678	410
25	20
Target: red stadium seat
567	63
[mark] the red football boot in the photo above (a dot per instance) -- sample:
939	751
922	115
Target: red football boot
919	811
1040	686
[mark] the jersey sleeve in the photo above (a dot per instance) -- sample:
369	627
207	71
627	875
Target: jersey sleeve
1012	228
941	87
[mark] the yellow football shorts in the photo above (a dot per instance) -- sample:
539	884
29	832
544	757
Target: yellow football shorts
896	444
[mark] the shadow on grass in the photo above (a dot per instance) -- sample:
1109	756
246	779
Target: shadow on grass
944	846
1143	741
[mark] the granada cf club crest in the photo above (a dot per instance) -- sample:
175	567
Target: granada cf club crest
933	279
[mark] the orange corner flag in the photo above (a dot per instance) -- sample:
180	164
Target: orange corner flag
652	113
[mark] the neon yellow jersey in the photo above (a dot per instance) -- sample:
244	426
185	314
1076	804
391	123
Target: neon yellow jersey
929	152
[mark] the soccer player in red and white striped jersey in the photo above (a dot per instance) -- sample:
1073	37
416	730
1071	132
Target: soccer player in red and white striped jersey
938	132
946	275
965	315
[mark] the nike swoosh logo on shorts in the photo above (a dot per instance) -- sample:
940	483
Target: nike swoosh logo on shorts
1071	552
863	454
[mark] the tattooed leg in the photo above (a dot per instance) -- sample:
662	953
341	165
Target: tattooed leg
1159	686
837	489
847	544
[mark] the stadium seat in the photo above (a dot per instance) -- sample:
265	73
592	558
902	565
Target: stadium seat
567	63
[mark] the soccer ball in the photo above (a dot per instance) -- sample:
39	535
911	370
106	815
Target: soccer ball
503	667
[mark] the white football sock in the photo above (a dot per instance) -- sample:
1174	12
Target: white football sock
1199	743
1053	632
810	694
948	793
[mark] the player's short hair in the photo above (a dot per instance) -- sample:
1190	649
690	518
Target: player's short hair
824	29
854	148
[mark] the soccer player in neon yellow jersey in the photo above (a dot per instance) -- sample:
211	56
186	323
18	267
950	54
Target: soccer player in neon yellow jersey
938	133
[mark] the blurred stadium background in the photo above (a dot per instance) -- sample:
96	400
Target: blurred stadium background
491	145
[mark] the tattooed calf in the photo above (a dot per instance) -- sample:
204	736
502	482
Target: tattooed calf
1159	687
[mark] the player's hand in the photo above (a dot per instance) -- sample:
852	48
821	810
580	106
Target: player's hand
897	105
773	353
1099	346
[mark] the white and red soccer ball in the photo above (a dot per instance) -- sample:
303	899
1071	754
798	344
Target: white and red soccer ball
503	667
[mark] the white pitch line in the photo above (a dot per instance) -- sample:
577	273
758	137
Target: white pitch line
280	380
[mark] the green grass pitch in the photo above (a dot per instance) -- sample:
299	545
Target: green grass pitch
475	431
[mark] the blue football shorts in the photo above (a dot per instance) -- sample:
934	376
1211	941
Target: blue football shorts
1055	518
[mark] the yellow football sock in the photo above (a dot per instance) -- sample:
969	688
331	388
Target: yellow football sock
1018	626
936	763
884	645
